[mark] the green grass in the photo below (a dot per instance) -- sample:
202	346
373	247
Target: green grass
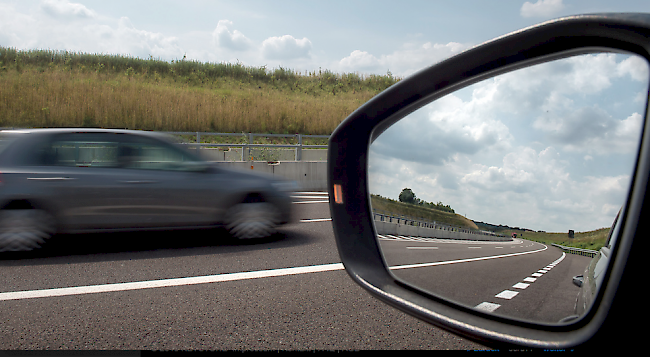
415	211
593	240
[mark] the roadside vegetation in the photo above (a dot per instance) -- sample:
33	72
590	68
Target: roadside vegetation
593	240
44	88
386	205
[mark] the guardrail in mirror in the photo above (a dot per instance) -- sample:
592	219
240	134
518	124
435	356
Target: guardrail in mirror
578	251
530	154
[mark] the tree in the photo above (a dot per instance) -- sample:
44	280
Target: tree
407	196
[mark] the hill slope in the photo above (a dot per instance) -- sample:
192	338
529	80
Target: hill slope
415	211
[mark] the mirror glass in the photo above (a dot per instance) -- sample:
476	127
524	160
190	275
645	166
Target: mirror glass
499	196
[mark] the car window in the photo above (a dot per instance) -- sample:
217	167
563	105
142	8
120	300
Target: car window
5	140
149	154
79	150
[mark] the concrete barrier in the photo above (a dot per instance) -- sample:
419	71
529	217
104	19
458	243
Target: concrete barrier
383	227
309	175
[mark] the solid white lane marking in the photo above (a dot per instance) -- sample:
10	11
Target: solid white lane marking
421	265
312	202
506	294
421	247
530	280
487	306
312	193
315	220
521	286
92	289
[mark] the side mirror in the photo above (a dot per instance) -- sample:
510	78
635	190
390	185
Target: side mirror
363	147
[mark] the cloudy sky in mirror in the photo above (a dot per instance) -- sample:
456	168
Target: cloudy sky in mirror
364	36
550	147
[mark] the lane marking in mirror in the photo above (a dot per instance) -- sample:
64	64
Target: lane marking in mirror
509	294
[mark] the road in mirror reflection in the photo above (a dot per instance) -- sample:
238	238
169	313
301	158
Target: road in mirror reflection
470	192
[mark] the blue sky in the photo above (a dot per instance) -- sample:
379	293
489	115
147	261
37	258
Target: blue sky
569	169
342	36
550	147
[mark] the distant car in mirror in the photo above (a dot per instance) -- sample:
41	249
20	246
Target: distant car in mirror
90	180
617	299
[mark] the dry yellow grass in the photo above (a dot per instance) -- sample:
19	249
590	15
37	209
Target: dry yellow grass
63	97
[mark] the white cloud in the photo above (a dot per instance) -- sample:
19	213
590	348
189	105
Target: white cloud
63	8
126	38
409	59
634	66
286	47
234	40
548	147
360	61
542	8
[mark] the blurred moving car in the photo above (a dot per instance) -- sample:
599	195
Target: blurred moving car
85	180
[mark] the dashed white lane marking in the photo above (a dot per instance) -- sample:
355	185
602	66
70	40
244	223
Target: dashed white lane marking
315	220
421	247
421	265
321	197
506	294
390	237
487	306
92	289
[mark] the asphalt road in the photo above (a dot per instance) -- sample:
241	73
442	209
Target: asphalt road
213	294
520	279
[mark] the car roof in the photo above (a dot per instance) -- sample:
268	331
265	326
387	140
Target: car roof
78	130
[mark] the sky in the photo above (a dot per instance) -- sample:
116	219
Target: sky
501	160
551	147
363	36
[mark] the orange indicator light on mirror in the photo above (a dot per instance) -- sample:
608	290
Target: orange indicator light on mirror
338	195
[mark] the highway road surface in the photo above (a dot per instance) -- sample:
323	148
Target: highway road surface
197	289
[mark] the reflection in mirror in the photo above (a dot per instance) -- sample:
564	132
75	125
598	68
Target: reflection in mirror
498	196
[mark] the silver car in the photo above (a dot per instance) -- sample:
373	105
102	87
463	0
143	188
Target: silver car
88	180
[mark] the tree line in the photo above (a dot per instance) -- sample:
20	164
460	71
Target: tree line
408	196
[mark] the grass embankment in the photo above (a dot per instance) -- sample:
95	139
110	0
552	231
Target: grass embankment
62	89
415	211
593	240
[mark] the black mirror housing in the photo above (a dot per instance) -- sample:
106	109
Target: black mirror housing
617	301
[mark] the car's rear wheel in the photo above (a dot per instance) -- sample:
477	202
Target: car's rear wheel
252	220
24	229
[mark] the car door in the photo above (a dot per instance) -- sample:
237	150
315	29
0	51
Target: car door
167	186
79	173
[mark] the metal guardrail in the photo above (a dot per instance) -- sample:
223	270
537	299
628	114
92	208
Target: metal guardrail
244	146
579	251
409	221
251	136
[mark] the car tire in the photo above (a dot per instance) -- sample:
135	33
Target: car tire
250	220
25	229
